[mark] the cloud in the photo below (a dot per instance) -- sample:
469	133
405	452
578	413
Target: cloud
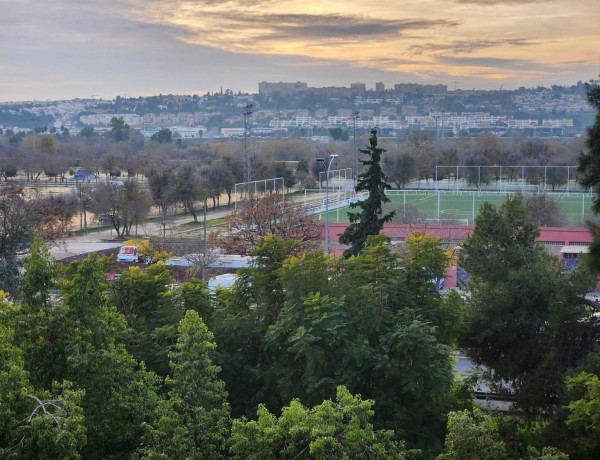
465	46
162	45
492	62
502	2
307	27
337	25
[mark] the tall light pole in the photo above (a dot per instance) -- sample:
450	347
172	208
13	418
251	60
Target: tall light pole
322	161
354	150
33	130
247	113
436	118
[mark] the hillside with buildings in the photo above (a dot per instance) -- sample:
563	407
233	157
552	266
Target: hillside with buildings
281	109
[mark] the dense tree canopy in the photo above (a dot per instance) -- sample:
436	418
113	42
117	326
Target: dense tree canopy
299	327
523	305
589	166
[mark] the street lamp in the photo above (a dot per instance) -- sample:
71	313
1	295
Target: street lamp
322	161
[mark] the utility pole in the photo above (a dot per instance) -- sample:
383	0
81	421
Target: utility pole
247	113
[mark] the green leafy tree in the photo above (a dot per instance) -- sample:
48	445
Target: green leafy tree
547	453
339	428
338	134
13	382
40	277
583	418
54	426
119	130
34	316
43	425
120	396
241	320
193	422
194	295
589	168
153	311
299	327
164	136
87	131
472	436
424	262
370	220
522	305
152	316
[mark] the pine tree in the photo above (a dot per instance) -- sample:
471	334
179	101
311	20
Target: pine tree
370	220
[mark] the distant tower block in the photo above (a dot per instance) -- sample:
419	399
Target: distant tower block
379	87
358	88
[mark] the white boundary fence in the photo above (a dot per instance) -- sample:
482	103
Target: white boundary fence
258	187
338	179
487	177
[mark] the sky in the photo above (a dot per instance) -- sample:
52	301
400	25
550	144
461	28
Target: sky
66	49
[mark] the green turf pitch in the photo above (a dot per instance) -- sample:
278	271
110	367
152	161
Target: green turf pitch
464	205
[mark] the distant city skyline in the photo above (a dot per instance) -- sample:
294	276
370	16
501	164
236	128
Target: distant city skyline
65	49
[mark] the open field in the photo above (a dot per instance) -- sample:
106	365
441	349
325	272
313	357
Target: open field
462	207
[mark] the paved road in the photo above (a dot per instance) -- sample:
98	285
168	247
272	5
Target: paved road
100	240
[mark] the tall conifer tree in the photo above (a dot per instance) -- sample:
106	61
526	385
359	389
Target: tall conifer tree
370	220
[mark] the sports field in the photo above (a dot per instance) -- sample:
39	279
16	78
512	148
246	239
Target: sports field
461	207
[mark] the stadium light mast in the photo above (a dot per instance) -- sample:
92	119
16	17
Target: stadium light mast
247	113
436	118
34	119
322	161
354	150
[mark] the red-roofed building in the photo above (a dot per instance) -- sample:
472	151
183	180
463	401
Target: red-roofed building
556	239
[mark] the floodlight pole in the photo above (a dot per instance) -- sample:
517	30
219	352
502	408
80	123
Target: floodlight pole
322	160
436	117
33	130
247	113
354	150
